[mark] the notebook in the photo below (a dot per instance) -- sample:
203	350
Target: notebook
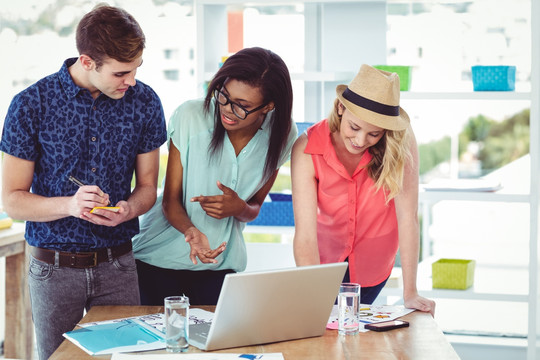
270	306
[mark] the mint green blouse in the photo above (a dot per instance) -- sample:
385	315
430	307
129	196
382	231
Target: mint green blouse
190	129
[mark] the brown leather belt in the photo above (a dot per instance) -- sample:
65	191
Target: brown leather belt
80	260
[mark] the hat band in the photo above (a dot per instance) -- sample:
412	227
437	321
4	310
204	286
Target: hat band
368	104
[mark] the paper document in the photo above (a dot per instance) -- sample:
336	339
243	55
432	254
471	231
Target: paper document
121	336
199	356
368	314
137	333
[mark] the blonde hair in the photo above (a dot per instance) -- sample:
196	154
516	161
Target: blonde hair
390	155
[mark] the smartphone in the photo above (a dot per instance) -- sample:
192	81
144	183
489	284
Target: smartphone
387	325
109	208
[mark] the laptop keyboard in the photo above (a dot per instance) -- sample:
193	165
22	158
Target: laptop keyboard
199	332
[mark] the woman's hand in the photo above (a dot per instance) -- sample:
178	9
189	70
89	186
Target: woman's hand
221	206
200	248
420	303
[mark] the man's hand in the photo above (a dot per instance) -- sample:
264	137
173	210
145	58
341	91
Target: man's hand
107	217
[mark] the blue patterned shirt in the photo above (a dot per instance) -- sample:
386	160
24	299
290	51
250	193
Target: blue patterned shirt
61	128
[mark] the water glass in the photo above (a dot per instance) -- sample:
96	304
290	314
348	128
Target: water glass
177	323
348	307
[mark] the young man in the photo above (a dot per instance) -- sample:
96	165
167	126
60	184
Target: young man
71	143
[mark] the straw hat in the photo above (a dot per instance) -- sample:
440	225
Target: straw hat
373	96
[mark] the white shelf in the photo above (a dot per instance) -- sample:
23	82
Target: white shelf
434	196
466	95
491	283
276	2
315	76
269	229
344	76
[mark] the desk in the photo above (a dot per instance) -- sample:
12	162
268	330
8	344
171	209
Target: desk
422	340
18	318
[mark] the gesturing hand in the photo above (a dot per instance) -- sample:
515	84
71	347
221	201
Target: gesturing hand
200	248
221	206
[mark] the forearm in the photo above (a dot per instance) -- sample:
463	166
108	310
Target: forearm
177	216
306	249
141	200
23	205
409	254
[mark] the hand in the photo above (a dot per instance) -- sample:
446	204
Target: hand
86	198
420	303
109	218
221	206
200	248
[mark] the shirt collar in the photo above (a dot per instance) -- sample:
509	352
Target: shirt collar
66	80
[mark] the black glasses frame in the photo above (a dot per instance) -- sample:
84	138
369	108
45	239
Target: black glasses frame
235	105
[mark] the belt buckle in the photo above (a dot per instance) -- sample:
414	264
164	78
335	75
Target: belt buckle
94	257
73	259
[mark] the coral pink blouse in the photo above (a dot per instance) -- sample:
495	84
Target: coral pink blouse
353	221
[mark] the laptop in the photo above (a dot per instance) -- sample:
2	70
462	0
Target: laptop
269	306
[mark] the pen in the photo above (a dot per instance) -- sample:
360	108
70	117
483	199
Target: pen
76	181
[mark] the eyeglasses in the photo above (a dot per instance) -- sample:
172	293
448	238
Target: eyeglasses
238	110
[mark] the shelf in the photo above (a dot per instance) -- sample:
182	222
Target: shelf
276	2
434	196
270	229
491	283
344	76
315	76
466	95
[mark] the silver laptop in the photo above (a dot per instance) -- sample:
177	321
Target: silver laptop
269	306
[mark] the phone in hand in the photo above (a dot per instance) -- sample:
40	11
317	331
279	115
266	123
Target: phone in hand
108	208
387	325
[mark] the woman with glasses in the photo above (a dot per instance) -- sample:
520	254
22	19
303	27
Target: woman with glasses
224	154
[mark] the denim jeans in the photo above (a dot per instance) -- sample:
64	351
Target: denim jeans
59	295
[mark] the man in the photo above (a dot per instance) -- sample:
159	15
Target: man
94	124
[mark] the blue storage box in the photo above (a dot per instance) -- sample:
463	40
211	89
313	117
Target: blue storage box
302	126
494	78
277	212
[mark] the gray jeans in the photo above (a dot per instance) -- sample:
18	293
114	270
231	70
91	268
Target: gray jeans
59	295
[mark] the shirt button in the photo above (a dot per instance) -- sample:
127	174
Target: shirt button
94	170
94	108
93	138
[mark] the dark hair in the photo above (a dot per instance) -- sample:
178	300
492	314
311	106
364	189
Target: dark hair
264	69
112	32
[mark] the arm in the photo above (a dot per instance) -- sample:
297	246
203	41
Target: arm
304	195
21	204
177	216
141	199
407	216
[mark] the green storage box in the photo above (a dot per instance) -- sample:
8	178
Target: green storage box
404	73
453	273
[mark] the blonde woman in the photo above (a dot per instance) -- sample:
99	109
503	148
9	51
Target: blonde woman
355	188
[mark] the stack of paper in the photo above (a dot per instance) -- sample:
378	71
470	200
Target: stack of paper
121	336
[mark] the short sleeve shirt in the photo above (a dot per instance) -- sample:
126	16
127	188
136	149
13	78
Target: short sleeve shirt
353	220
64	131
190	130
